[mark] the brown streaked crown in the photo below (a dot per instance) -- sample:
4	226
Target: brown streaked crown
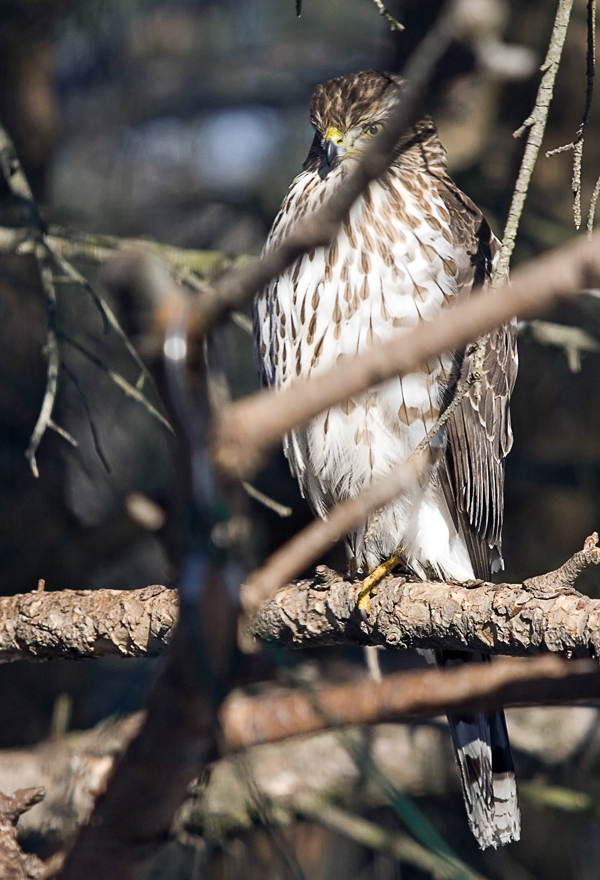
359	99
351	100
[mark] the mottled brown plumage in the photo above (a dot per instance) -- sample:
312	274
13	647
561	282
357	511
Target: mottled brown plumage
411	246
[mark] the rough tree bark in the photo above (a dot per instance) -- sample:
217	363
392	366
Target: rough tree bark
86	623
542	614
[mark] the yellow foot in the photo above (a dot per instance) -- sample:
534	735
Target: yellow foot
369	585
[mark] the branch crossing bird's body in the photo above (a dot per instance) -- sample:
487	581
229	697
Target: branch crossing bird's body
410	247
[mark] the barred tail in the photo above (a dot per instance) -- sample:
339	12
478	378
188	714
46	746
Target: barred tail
487	772
487	776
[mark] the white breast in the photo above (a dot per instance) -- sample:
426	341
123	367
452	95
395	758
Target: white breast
390	266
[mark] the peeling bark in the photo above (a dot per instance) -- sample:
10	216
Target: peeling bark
542	614
86	623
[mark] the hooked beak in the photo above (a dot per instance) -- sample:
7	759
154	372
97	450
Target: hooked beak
334	147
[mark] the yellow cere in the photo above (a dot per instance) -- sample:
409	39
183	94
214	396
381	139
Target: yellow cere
335	135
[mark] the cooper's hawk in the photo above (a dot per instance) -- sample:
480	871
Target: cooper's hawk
412	245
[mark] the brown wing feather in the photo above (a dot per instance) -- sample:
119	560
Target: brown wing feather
479	432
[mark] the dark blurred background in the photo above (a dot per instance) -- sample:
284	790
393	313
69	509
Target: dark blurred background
185	123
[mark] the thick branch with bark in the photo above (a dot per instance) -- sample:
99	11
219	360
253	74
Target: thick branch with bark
542	614
86	623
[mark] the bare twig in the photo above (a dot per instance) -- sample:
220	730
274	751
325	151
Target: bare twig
280	509
62	433
97	249
250	720
576	145
34	239
536	123
393	22
249	428
53	355
574	341
592	211
91	422
126	387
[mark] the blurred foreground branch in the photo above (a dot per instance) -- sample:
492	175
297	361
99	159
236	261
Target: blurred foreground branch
248	429
250	720
417	759
131	818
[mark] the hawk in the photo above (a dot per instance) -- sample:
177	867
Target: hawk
412	245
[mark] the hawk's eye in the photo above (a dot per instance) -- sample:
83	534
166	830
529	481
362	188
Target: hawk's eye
373	129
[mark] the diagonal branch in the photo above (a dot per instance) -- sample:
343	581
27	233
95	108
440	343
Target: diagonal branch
250	428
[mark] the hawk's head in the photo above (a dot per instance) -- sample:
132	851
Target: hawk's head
348	112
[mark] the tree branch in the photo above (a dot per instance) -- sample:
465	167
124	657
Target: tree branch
250	720
541	614
86	623
250	428
14	863
536	123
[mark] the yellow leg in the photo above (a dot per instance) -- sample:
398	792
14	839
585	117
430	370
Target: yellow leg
369	585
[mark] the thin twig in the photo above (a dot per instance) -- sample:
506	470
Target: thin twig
280	509
592	211
396	843
393	22
574	341
536	123
90	418
577	143
53	355
126	387
62	433
35	240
